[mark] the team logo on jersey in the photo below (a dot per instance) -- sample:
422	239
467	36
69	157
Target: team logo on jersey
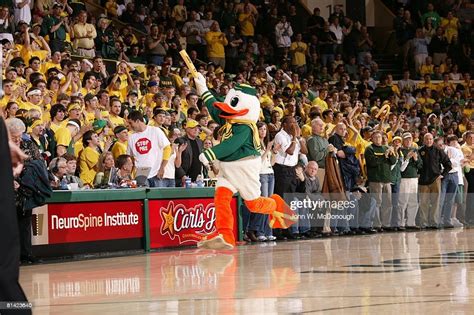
143	145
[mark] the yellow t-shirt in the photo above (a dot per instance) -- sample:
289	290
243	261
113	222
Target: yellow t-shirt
117	120
87	162
90	117
55	127
430	85
299	57
426	69
306	130
48	65
246	27
119	148
63	136
215	44
28	106
321	103
28	54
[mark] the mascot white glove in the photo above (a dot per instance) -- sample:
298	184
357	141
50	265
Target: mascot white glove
203	160
201	85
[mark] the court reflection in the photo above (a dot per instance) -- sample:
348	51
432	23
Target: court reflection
370	273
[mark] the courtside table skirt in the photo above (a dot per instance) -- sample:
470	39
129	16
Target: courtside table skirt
105	222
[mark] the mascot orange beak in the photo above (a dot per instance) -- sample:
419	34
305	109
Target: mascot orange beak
229	112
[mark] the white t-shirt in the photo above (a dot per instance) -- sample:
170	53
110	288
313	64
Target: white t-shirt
283	158
170	168
455	156
147	148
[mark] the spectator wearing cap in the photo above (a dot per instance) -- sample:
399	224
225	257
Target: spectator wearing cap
102	129
91	107
190	166
203	120
149	146
158	120
17	76
22	11
56	27
395	183
133	99
84	34
379	160
408	199
65	137
120	146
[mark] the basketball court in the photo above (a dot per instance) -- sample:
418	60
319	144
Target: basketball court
391	273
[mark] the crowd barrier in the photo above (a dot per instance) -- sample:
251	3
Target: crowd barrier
98	221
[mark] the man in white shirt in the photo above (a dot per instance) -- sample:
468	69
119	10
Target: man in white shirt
290	144
283	33
450	184
147	145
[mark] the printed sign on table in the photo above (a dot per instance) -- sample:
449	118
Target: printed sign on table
87	221
183	222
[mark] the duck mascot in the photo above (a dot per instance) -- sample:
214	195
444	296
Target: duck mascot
239	163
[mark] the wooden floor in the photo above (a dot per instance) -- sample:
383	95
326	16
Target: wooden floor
428	272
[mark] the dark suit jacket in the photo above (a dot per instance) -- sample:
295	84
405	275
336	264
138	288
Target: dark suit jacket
187	156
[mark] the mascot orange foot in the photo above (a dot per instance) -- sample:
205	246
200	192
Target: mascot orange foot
281	216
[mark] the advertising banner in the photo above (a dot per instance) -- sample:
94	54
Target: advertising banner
183	222
87	221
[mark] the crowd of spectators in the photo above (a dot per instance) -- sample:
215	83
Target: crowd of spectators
317	82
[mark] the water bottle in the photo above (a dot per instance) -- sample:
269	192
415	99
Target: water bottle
187	182
63	183
200	181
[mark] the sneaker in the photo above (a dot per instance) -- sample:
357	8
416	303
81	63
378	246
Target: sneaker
456	223
262	238
271	238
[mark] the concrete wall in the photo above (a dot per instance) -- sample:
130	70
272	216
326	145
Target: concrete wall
323	5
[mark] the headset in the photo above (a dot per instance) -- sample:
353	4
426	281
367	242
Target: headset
53	165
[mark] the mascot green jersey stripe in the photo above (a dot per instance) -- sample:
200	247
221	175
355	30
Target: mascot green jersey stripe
239	137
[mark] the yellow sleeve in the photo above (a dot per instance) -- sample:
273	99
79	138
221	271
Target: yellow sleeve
167	152
63	137
91	157
306	131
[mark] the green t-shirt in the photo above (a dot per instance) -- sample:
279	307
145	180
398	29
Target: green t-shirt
51	21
